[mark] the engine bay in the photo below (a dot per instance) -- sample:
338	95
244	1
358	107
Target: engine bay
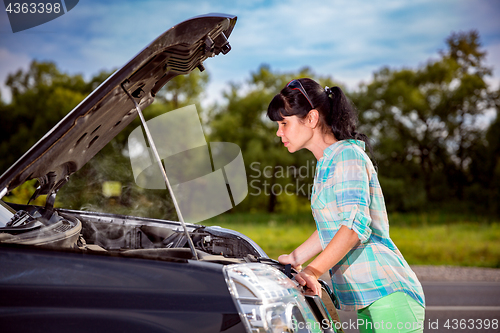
122	235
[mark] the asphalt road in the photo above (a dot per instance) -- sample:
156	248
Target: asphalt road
454	306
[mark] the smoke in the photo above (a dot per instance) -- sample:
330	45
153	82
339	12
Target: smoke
84	190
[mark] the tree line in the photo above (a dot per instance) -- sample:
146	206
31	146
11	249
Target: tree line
435	137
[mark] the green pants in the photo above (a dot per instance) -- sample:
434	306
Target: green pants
397	312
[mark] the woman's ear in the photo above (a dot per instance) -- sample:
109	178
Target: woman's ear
312	118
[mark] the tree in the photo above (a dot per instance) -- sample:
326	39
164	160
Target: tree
428	118
183	90
483	191
111	164
272	172
41	97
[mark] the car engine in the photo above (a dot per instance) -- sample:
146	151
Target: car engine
120	234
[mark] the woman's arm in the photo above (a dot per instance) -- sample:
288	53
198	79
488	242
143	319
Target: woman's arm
343	241
307	250
349	189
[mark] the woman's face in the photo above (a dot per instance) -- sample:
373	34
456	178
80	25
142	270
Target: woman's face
294	133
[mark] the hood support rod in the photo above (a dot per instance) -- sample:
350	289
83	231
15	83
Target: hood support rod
160	164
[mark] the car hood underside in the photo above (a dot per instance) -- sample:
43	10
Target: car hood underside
108	109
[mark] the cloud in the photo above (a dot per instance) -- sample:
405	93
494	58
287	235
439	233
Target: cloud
348	40
493	60
9	64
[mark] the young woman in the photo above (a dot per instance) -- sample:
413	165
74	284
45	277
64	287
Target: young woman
352	241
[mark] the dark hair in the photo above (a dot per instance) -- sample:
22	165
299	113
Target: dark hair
337	114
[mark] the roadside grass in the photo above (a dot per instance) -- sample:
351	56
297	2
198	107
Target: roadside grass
424	239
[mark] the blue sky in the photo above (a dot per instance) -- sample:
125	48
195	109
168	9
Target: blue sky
346	39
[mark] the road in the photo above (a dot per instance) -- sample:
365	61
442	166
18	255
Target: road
455	306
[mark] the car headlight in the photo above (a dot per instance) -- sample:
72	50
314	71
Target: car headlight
268	301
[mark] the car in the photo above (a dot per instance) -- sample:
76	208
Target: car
65	270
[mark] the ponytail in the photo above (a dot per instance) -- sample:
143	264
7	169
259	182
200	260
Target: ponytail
342	117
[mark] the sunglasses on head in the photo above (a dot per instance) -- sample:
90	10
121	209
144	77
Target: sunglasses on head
295	84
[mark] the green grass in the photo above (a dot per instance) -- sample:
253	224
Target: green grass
458	244
424	239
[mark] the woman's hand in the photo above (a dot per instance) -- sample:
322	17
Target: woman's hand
303	253
309	278
286	259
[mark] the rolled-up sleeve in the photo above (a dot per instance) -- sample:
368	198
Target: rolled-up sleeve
352	192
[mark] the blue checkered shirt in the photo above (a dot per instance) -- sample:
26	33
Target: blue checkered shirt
347	192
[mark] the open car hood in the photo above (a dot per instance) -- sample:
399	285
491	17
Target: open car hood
107	110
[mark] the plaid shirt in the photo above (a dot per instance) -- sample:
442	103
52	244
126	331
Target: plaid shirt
347	192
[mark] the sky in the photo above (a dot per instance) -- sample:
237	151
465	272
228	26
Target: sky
346	39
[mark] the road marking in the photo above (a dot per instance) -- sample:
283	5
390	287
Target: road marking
462	308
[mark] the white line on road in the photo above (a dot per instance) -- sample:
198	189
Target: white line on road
462	308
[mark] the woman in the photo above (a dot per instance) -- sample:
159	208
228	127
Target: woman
352	241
